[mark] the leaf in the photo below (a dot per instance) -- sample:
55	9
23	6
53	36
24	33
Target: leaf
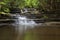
2	3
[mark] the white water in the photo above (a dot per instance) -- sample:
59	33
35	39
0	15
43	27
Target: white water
25	21
24	24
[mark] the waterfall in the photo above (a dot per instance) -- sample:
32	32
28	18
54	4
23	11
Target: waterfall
23	23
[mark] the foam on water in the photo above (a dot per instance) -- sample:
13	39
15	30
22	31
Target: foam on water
24	23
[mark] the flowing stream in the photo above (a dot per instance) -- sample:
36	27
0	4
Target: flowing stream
15	30
24	23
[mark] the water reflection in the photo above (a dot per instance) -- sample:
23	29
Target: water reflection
17	29
23	24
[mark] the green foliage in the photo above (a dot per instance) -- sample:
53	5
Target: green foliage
35	3
2	3
43	4
27	3
21	4
7	14
4	6
24	3
6	10
32	3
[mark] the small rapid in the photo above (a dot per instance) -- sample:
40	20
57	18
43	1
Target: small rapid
24	23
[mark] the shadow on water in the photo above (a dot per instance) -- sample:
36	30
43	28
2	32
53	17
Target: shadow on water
7	32
10	32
